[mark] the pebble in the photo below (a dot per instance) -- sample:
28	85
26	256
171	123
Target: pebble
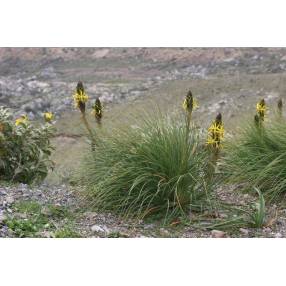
267	229
164	232
2	218
244	231
10	200
218	233
98	228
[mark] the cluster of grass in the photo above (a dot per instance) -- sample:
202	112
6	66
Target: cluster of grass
155	166
256	157
30	219
160	167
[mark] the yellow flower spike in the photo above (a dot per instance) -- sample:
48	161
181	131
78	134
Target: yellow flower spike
80	97
97	110
216	133
48	116
189	103
261	109
21	120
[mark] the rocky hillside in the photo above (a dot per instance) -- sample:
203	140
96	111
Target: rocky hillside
33	80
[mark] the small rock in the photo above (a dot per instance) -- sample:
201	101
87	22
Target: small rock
278	235
10	200
22	216
46	211
46	234
164	232
98	228
2	218
244	231
218	233
149	226
267	229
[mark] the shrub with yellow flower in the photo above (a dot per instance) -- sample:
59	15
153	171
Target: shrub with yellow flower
48	116
21	120
25	149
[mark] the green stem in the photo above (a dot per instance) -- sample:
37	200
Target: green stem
92	136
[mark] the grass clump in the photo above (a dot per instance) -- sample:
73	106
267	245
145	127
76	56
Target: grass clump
158	166
256	157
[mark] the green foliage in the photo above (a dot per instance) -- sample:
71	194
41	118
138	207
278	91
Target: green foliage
31	221
58	212
27	227
117	234
30	207
156	167
259	212
67	233
30	218
24	150
257	157
252	216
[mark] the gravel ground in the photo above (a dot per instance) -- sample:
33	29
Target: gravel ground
88	223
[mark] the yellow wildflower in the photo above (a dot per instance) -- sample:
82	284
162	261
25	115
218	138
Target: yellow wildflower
80	97
21	120
48	116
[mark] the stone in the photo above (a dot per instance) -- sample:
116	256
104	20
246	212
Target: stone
218	233
98	228
244	231
2	218
10	200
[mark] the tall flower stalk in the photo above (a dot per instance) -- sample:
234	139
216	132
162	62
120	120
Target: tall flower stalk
260	114
214	141
280	107
80	98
